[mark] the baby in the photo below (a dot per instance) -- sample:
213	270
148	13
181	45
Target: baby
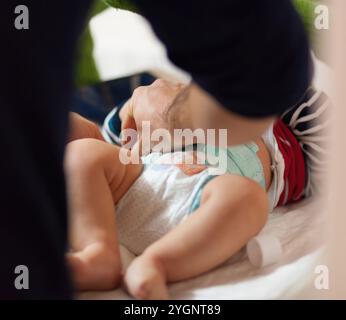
179	220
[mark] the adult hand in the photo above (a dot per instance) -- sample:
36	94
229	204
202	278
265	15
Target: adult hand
176	106
153	103
160	104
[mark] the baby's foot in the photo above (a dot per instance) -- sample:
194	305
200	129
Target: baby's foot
96	267
145	279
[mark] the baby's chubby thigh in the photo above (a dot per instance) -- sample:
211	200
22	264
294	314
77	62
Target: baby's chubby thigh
86	156
229	195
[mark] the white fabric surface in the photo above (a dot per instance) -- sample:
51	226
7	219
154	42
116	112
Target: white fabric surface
277	167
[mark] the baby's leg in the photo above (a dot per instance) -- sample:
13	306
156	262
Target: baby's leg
233	209
96	180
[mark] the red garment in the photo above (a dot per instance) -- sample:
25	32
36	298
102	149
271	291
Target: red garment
294	173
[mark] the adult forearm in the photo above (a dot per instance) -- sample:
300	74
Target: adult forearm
199	110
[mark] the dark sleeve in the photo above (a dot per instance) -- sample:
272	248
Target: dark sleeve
252	56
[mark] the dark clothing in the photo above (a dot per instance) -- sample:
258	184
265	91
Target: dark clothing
252	56
35	89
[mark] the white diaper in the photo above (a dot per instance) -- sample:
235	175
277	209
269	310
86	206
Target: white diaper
158	200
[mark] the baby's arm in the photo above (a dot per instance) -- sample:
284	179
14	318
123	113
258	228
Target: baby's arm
81	128
233	209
